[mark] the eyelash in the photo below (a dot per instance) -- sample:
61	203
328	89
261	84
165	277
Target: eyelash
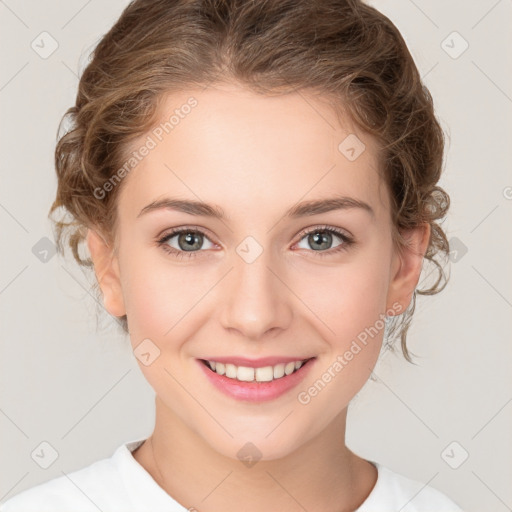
347	241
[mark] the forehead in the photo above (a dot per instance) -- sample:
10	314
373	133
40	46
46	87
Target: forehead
230	146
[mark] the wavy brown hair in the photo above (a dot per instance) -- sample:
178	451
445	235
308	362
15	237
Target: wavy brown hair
341	50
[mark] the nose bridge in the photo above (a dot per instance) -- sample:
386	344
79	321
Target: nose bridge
255	301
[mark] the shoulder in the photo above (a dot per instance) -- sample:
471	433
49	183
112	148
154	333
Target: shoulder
394	491
95	487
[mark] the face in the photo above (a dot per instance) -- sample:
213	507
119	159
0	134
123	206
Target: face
257	281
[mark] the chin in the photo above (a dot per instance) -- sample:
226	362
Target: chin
253	445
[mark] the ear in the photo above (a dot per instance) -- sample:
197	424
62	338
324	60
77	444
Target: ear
106	268
406	267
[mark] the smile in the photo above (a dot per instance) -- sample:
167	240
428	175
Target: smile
255	381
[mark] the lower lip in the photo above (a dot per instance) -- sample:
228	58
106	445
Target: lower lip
256	391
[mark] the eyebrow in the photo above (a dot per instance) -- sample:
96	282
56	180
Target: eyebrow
304	209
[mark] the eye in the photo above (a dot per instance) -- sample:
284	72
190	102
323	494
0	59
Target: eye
187	244
320	239
189	241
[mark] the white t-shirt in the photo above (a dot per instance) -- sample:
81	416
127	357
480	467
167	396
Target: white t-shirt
121	484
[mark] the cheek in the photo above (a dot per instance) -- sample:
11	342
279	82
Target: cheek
346	300
158	294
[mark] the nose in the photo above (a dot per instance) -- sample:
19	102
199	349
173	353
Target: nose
256	300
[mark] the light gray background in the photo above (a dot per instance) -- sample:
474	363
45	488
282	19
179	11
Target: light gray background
80	389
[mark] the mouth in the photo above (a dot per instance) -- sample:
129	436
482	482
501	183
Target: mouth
255	381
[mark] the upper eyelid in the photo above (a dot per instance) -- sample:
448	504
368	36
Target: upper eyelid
176	231
336	231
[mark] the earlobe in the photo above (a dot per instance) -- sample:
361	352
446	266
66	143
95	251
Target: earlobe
106	268
407	265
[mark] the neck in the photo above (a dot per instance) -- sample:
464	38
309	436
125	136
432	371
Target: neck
321	475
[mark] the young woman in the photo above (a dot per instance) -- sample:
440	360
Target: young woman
255	182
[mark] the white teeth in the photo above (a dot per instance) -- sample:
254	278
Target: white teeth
289	368
245	374
231	371
279	371
262	374
265	374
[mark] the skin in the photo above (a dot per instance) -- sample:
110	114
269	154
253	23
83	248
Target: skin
255	156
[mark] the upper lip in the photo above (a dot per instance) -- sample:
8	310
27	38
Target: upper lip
256	363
